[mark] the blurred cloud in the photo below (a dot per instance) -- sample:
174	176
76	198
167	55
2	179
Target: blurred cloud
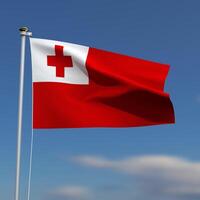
198	98
157	176
70	192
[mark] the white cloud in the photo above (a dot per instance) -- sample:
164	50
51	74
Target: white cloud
93	161
163	175
71	192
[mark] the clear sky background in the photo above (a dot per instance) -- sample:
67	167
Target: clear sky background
154	163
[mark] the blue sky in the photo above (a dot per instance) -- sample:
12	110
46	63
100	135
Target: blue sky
160	162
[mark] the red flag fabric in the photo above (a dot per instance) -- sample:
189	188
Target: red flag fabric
77	86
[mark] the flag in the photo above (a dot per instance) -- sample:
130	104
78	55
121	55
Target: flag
78	86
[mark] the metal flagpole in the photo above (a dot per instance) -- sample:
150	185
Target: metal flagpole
23	32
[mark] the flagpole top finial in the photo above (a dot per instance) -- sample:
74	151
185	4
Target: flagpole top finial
24	29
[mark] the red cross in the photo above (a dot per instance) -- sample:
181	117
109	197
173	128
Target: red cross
59	61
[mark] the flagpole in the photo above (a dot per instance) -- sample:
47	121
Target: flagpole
23	32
